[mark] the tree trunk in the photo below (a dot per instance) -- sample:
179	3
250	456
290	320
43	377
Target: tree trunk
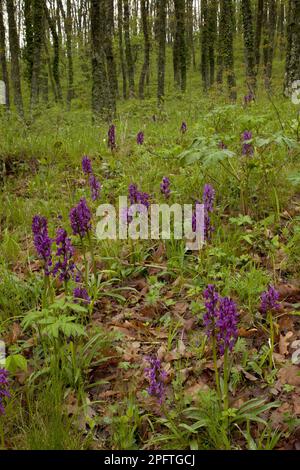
14	54
191	59
55	66
292	65
161	60
212	29
281	28
129	58
179	50
146	64
226	17
111	65
269	36
121	49
204	45
220	50
258	30
249	45
3	57
38	25
100	89
28	49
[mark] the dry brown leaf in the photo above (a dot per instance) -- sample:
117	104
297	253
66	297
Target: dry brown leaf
243	333
287	291
296	403
289	375
180	308
284	342
247	374
195	389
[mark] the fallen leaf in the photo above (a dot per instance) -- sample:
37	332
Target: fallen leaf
284	342
296	403
194	390
243	333
289	375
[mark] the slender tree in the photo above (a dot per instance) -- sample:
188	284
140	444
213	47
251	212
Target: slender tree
68	29
100	88
179	49
121	48
226	17
292	64
258	30
204	45
269	27
28	48
249	45
220	49
109	52
14	55
161	60
281	27
190	33
212	34
146	64
3	57
128	51
38	26
56	49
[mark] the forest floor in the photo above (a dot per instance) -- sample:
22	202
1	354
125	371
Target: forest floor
85	385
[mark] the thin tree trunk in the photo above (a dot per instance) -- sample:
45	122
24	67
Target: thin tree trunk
68	30
220	50
180	45
292	66
226	17
280	29
111	65
161	60
56	43
212	30
128	51
249	45
100	89
146	64
14	54
121	48
269	36
204	45
3	57
28	49
38	24
190	33
258	30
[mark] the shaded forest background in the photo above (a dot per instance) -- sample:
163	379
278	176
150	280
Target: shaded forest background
91	53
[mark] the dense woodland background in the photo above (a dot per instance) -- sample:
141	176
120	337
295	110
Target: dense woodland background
92	53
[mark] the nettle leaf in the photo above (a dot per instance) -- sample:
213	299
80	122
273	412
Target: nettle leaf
33	317
63	324
76	307
217	156
16	362
241	220
206	152
284	140
259	142
294	178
